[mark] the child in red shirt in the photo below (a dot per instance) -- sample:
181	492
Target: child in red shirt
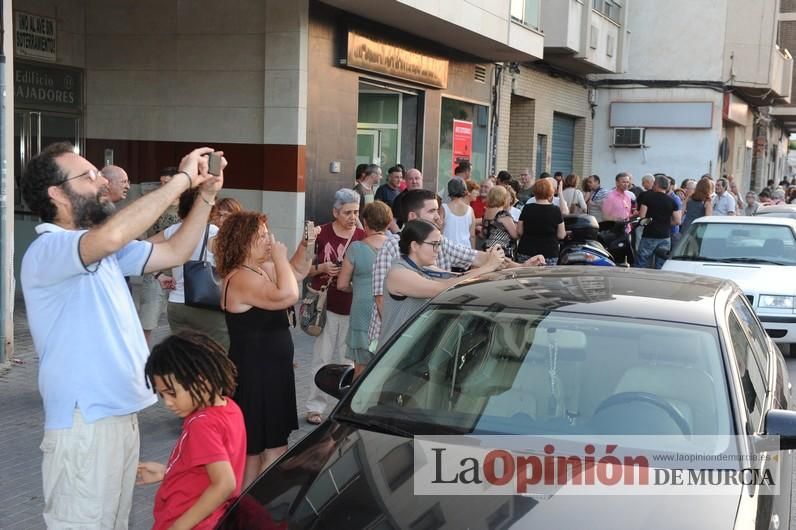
194	377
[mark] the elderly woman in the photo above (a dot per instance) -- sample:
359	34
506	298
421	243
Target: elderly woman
541	225
357	275
330	248
258	293
412	280
183	317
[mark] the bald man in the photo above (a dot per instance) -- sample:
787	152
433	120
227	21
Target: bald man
118	183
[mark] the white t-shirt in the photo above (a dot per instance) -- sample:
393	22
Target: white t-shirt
457	227
178	294
85	328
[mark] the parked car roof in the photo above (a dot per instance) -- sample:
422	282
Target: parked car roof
746	219
777	208
637	293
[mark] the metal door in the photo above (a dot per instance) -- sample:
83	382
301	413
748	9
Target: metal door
563	143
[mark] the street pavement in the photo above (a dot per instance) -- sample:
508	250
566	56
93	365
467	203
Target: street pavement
21	422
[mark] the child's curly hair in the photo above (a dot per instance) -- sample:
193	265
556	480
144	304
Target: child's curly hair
195	361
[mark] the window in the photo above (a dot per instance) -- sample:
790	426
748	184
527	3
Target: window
752	381
755	332
477	116
610	8
526	11
487	370
738	243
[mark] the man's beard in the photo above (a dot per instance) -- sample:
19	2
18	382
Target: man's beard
88	211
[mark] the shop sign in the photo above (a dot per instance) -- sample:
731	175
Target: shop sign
462	143
368	54
34	36
46	86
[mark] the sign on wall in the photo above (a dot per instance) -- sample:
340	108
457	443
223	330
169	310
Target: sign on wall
34	36
45	86
662	114
369	54
462	143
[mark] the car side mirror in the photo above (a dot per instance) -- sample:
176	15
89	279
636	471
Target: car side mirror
782	424
335	379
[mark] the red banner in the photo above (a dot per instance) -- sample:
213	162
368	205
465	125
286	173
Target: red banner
462	143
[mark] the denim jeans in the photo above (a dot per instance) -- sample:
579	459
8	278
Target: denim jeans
646	249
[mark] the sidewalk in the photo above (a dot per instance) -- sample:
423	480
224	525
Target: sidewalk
21	423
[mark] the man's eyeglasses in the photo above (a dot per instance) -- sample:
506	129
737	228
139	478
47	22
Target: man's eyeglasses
434	244
91	174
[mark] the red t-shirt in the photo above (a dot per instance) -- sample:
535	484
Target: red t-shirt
329	247
211	434
479	207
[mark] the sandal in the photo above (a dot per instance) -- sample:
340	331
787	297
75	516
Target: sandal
314	418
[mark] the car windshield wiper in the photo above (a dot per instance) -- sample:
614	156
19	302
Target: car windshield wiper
696	258
753	260
368	422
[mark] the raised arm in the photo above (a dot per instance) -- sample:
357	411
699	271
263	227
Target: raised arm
132	221
178	248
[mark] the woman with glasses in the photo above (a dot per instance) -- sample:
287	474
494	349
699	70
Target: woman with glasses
413	279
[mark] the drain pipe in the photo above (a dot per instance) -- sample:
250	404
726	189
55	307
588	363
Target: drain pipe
6	267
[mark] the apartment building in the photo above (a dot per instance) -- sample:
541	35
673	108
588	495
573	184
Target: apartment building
700	93
546	107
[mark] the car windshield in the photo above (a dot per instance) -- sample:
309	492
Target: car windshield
738	242
472	370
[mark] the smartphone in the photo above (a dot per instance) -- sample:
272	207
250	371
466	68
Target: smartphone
309	231
214	164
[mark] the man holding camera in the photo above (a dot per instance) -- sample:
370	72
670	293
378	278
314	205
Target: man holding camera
85	328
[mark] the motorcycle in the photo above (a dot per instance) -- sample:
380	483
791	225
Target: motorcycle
620	241
582	245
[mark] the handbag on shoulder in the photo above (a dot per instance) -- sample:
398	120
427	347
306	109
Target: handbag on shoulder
312	312
201	283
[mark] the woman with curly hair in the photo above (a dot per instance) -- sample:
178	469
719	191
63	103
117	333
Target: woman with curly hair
260	286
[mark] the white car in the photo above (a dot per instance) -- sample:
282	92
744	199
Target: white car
758	253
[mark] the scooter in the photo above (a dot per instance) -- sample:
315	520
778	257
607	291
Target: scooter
620	242
582	245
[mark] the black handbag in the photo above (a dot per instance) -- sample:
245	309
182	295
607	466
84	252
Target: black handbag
201	283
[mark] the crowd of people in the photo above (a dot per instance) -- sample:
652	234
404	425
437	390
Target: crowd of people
229	372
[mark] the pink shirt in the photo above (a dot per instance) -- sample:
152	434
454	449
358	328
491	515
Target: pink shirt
617	205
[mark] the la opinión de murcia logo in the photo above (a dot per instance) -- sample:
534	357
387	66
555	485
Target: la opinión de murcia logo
592	468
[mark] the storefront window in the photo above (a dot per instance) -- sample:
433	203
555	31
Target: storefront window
467	141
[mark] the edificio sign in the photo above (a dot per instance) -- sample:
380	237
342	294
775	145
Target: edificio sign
34	36
368	54
46	86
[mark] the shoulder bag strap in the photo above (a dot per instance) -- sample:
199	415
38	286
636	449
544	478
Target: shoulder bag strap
203	252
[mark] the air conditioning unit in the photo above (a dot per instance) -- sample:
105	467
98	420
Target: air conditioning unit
629	136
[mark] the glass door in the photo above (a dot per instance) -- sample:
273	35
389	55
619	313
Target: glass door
367	146
35	130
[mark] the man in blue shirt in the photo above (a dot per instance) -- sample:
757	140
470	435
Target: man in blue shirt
388	191
85	328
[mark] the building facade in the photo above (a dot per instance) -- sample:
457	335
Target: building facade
698	95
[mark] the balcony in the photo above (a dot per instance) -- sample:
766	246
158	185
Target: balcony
484	29
758	69
766	80
580	38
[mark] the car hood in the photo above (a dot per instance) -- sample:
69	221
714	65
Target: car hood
340	476
750	277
